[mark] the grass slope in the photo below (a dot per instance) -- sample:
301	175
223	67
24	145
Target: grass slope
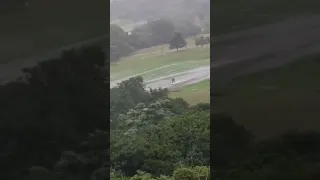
274	101
194	93
161	65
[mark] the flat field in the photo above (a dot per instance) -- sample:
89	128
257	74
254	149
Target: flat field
194	93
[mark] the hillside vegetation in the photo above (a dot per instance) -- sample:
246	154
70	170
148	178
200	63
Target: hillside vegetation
60	118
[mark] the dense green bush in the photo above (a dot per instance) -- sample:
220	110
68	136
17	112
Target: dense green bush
181	173
55	125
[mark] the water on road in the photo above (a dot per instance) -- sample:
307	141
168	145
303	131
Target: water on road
181	79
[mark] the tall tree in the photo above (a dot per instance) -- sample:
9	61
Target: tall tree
119	43
177	42
58	103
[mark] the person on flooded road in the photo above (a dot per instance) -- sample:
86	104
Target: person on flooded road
173	81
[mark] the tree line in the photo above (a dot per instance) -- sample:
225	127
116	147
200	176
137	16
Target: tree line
153	33
201	41
61	120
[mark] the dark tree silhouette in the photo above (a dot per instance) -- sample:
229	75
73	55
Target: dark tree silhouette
177	41
53	107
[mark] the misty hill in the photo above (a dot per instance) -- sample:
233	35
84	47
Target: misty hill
141	10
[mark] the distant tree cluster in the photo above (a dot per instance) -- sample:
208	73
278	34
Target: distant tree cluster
150	34
119	43
141	10
186	27
177	42
200	41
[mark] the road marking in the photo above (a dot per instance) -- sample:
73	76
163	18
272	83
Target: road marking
145	72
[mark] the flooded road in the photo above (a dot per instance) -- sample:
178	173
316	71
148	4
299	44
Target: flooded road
181	79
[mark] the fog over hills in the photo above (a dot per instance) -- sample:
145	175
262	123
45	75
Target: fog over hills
141	10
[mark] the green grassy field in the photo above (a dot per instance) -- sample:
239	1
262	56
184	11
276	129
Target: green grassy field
273	101
161	65
194	93
230	15
150	64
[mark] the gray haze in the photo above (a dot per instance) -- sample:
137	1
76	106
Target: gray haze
142	10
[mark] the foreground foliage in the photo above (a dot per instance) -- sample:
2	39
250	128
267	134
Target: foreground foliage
181	173
55	125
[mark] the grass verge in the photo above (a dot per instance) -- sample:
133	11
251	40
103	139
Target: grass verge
274	101
194	93
137	64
